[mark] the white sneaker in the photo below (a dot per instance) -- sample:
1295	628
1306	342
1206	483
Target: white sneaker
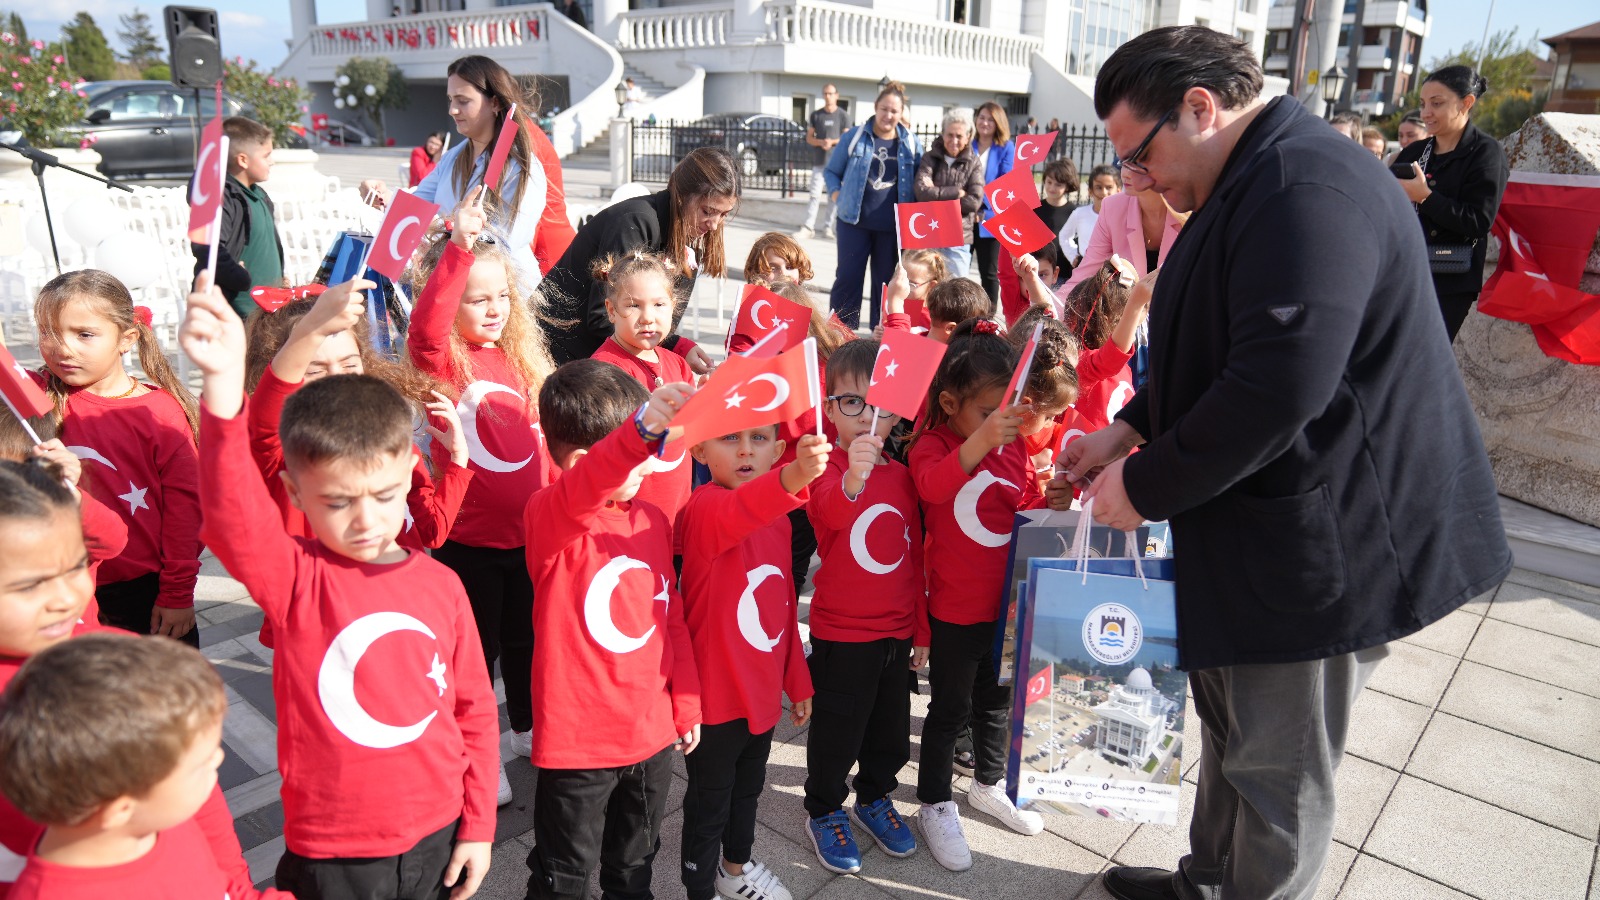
504	796
522	742
992	799
827	233
804	232
757	882
941	830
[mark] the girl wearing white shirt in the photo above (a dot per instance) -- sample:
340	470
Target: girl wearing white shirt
1074	236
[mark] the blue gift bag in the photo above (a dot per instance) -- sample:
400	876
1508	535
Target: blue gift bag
386	306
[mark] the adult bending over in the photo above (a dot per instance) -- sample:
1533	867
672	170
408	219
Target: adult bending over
685	222
1324	501
1458	175
871	170
950	171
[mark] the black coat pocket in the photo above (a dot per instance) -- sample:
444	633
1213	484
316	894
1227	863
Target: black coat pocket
1289	550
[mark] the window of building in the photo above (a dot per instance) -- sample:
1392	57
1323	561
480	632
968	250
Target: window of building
1344	36
1583	76
1203	23
1248	36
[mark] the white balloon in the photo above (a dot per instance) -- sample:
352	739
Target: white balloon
92	219
39	237
350	100
338	103
135	259
370	90
342	80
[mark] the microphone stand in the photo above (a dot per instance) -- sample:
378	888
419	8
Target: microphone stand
41	160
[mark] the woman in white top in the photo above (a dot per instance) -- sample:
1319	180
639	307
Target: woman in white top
481	92
1074	236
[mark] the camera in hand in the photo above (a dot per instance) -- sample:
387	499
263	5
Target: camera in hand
1403	171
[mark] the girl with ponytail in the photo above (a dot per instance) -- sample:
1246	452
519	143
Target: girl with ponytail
136	438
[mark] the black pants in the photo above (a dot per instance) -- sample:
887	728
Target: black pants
861	714
1455	308
129	605
802	544
610	815
501	594
726	774
417	874
986	254
964	687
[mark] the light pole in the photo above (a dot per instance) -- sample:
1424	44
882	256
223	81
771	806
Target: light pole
1332	86
620	92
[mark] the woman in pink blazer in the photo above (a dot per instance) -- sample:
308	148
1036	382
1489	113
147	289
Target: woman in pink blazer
1138	226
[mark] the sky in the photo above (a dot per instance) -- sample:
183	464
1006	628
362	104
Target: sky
258	29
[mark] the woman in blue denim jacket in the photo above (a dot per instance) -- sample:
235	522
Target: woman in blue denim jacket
873	167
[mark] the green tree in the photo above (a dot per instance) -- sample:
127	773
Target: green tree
370	86
87	52
140	46
279	103
12	24
1508	65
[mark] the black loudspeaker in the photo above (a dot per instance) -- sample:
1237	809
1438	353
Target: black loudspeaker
196	58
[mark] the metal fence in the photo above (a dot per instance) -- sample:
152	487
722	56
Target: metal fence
777	158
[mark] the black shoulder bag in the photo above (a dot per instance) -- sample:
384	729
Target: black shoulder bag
1452	257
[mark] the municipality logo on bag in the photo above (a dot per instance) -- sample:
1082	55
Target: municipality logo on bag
1112	633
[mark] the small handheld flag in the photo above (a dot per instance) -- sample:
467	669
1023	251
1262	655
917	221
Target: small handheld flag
1019	230
901	374
1019	378
404	224
929	225
746	392
1015	188
1033	149
760	314
502	149
22	394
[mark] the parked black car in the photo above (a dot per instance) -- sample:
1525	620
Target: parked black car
149	129
761	143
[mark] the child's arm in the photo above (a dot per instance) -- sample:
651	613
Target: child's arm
338	309
940	471
434	506
833	500
1033	287
684	681
241	525
1133	313
178	468
920	630
724	519
895	292
105	534
477	716
796	672
216	825
433	316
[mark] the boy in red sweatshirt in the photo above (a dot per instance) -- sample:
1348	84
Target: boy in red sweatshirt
388	735
869	623
113	742
745	624
614	679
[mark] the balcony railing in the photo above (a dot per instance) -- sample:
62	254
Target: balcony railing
676	27
837	25
454	31
1375	56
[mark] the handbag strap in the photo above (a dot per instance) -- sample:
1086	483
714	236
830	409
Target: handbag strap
1427	154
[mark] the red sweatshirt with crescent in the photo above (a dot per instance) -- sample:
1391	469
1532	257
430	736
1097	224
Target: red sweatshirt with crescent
740	602
667	486
969	520
506	450
614	678
870	584
378	676
139	459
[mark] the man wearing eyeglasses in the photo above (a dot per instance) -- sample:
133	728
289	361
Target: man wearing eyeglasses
1306	432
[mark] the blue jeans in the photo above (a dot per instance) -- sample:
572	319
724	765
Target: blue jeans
856	246
959	260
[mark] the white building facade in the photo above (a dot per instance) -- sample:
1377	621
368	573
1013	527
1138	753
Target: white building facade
1377	43
1133	720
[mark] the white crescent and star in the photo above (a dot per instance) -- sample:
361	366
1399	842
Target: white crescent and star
911	225
1119	398
966	510
655	465
749	614
400	229
755	314
597	607
200	195
780	391
858	540
467	409
1005	235
882	349
336	681
135	497
1069	435
1025	148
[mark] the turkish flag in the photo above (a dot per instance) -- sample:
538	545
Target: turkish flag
929	225
1033	149
210	175
1565	321
502	149
1546	226
1039	685
1015	188
746	392
272	299
766	324
1019	230
1019	378
404	226
21	392
904	368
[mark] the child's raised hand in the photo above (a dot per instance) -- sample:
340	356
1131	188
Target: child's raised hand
1026	266
57	454
213	338
897	290
1144	289
800	713
472	856
664	403
810	459
338	309
1002	426
469	219
448	432
865	452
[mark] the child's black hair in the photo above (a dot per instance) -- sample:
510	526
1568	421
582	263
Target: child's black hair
957	300
978	359
31	490
1053	380
360	418
1095	305
585	400
853	359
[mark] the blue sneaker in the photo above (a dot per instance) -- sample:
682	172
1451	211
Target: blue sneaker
834	843
883	822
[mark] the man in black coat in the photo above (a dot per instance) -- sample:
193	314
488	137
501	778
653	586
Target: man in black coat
1306	432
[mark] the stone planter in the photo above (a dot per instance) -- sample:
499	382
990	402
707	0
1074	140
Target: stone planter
17	170
295	172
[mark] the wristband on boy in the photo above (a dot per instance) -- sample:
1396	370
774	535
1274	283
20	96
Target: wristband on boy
659	438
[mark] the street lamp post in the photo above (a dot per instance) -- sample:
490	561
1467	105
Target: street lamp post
1332	86
620	92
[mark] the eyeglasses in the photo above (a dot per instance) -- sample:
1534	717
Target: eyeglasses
853	404
1132	159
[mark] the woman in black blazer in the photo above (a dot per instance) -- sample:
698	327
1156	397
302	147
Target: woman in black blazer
1457	177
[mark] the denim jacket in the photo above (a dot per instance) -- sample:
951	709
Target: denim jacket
847	169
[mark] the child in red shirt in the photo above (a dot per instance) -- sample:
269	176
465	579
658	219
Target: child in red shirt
472	330
744	621
869	623
1052	387
379	678
614	678
972	475
639	304
113	743
141	438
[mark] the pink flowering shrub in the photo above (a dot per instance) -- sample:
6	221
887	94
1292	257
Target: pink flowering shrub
41	97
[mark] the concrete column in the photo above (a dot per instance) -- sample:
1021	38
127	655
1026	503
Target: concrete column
621	152
749	21
607	21
379	10
480	5
1048	21
1324	55
302	17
